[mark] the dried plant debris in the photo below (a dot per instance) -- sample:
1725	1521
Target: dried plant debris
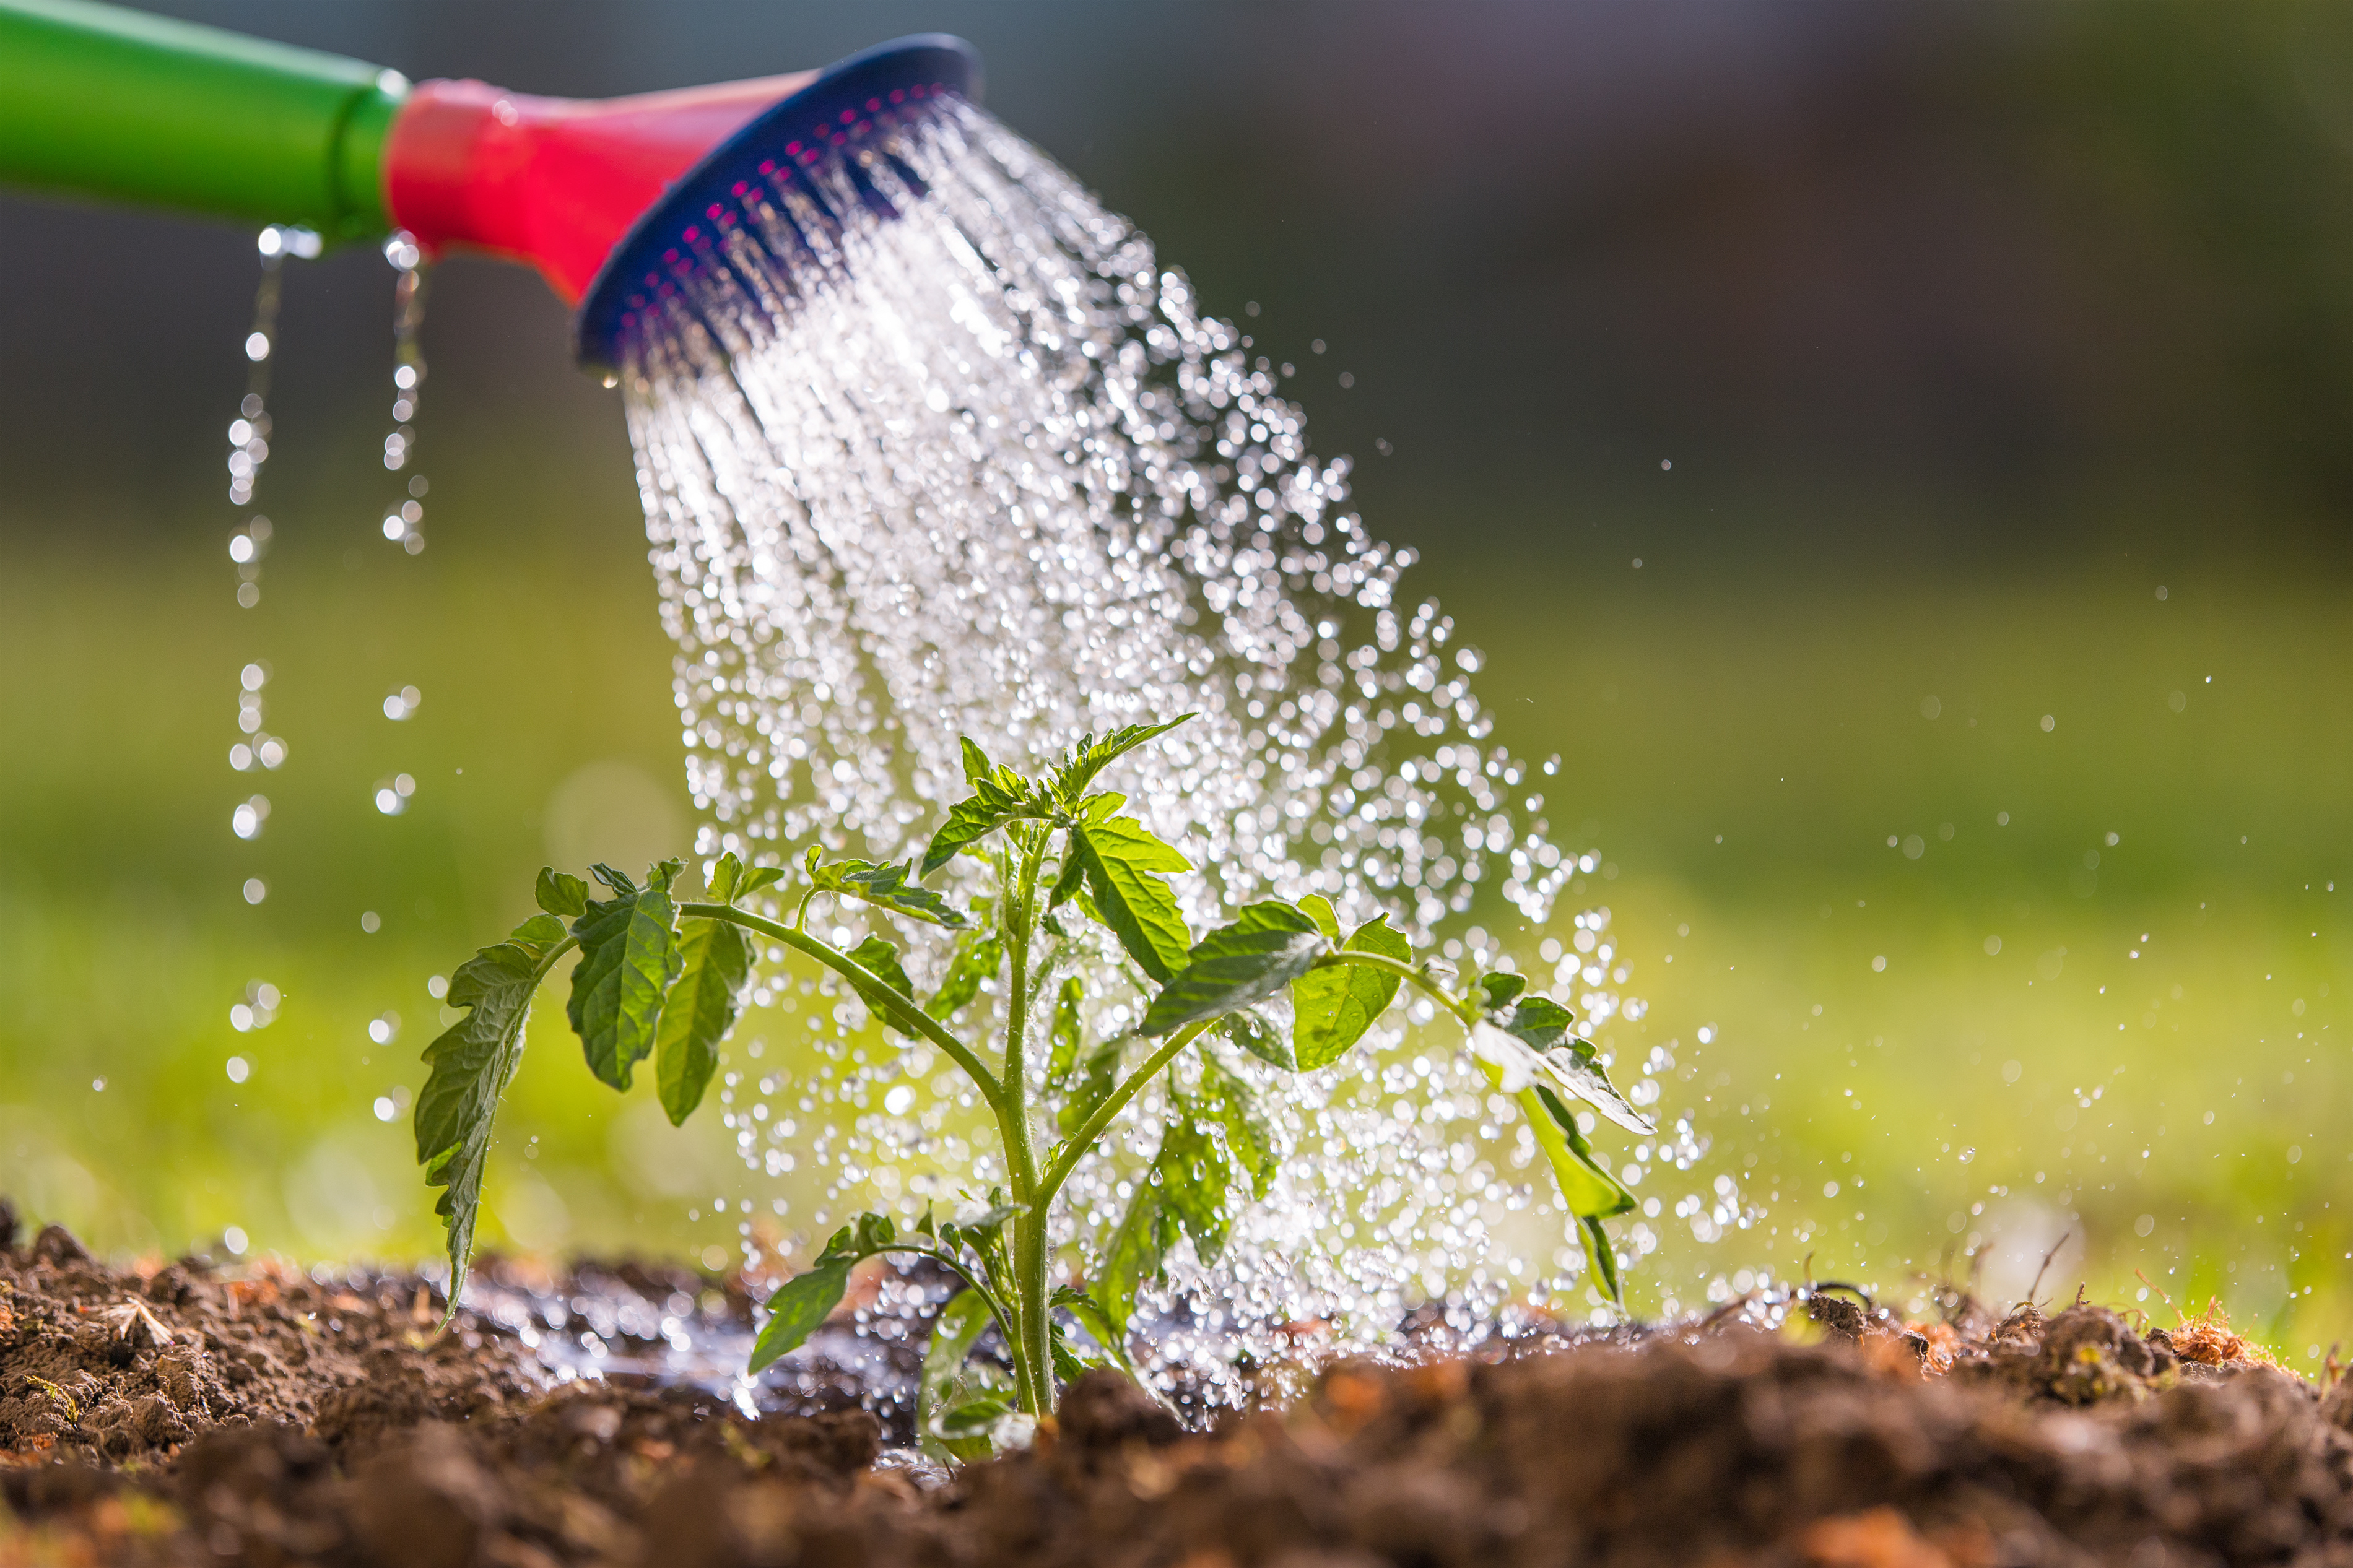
1844	1437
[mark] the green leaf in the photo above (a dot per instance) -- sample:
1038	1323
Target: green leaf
1121	860
1498	990
880	959
885	887
1319	909
472	1062
1227	1101
1573	1067
949	1382
561	893
1267	946
1601	1257
1067	1035
1183	1193
756	877
1091	756
697	1013
1097	1076
797	1310
1587	1187
999	795
1332	1007
725	872
979	954
629	959
1262	1033
1098	1326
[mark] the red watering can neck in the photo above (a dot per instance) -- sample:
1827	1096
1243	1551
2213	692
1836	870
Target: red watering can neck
553	181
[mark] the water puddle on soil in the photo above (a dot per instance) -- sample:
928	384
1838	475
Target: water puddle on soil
983	468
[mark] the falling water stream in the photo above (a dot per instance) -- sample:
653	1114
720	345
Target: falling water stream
932	445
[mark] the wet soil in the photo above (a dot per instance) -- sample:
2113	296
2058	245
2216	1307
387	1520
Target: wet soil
184	1416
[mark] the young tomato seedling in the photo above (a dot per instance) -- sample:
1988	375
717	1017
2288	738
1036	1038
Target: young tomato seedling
664	976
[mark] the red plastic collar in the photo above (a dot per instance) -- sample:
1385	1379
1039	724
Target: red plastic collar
551	181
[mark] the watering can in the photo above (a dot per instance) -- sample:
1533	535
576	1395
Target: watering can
602	195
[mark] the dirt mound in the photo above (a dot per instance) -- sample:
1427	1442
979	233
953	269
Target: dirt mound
2067	1439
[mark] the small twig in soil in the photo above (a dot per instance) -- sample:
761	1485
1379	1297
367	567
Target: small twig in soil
2035	1289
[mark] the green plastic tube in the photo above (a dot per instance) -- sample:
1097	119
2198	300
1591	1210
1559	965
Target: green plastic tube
98	101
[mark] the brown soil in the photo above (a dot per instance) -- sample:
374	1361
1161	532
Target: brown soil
184	1418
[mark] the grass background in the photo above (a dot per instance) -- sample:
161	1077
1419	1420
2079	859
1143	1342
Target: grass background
1965	329
2149	1063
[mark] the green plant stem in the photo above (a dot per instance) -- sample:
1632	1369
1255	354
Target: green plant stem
850	969
1032	1297
1076	1147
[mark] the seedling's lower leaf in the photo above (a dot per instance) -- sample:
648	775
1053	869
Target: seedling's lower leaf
880	959
1122	862
1264	1032
1098	1324
886	886
628	960
1228	1102
472	1062
1333	1007
1068	1036
1269	944
949	1380
1603	1258
1090	1086
1184	1193
716	965
979	954
797	1310
1573	1068
1585	1184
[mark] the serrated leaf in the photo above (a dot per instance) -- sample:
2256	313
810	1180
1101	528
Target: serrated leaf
1587	1187
628	960
1319	909
1573	1068
880	959
561	892
1269	944
1122	862
1091	756
1498	990
725	872
1228	1102
1098	1324
886	886
715	966
756	877
1184	1194
949	1380
1330	1008
1068	1033
1601	1257
1097	1076
1264	1032
979	954
797	1310
999	795
472	1062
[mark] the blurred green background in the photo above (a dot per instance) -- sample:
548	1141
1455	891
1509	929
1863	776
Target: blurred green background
1900	462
